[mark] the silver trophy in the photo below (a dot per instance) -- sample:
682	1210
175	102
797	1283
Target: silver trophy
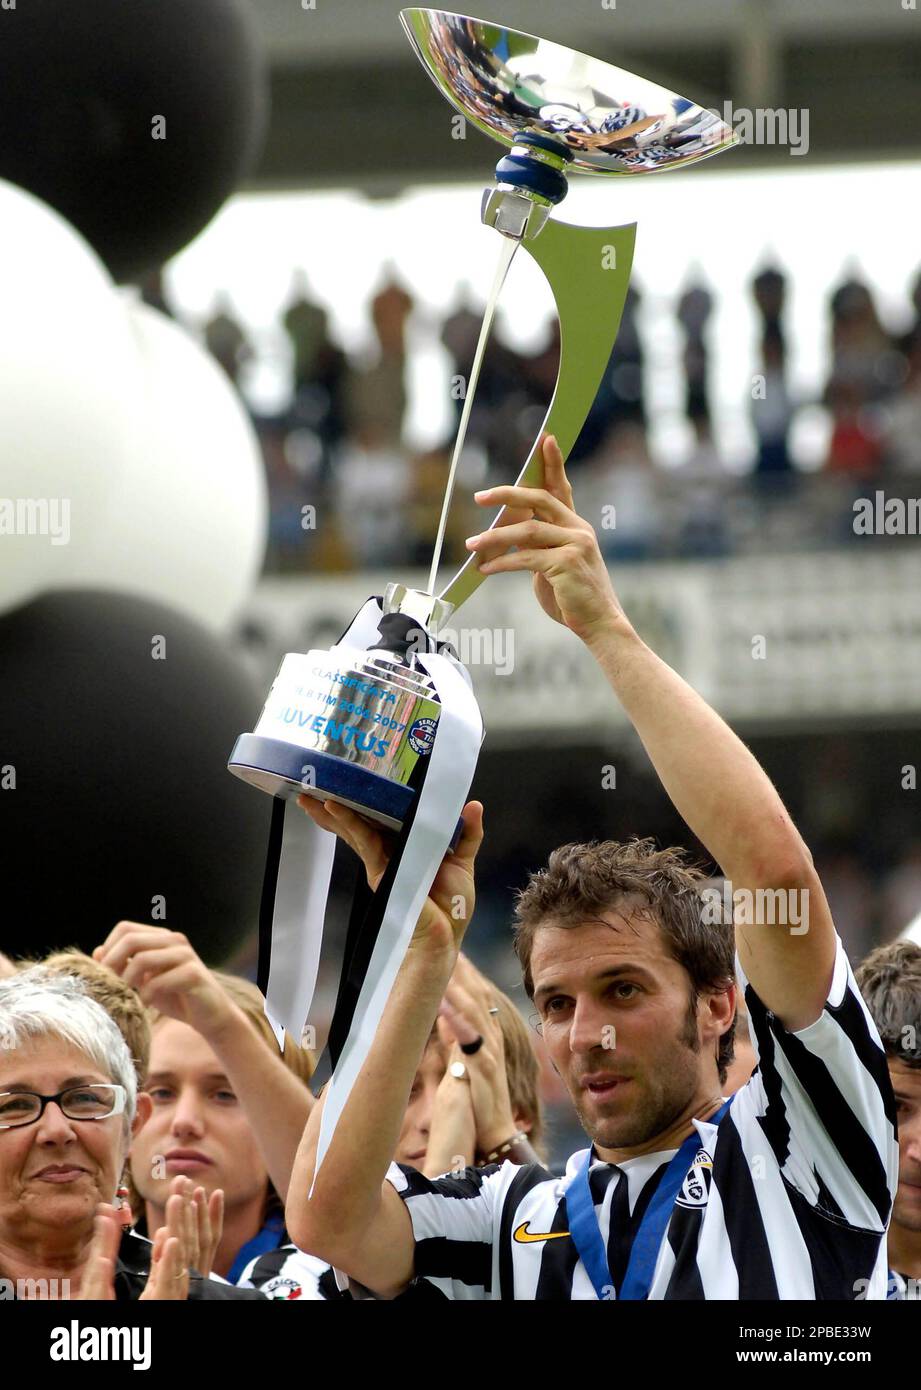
351	724
385	721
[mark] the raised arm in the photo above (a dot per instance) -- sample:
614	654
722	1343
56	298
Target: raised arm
355	1220
715	783
170	976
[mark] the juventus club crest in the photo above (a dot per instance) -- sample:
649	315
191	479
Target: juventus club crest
695	1190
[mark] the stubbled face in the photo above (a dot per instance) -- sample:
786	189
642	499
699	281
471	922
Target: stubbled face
417	1120
55	1171
614	1009
906	1083
197	1125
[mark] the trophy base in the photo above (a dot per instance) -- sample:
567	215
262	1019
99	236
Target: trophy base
288	770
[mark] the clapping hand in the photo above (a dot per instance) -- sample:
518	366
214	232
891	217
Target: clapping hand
188	1240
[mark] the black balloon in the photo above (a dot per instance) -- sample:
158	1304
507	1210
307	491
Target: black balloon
82	83
122	795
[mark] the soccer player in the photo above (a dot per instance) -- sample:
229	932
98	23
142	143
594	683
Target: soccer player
890	981
782	1191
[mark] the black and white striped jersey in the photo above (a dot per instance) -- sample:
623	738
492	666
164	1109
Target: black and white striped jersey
291	1274
788	1198
288	1273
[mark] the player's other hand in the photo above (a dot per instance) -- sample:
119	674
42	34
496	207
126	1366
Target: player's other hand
448	908
542	532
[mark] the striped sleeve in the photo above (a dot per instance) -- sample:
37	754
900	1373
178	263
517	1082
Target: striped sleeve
455	1221
823	1099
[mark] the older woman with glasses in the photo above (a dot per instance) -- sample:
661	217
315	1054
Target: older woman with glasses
69	1107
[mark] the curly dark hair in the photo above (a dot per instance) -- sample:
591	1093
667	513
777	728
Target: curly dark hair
586	880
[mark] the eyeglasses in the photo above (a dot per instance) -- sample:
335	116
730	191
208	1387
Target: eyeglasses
95	1102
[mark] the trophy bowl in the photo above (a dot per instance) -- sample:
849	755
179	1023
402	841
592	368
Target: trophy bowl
511	84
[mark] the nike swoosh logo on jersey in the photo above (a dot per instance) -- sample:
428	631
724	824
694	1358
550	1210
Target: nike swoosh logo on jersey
525	1237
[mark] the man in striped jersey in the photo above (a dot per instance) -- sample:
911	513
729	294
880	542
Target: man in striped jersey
782	1192
890	981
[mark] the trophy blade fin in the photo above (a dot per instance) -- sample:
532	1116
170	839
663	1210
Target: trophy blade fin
588	270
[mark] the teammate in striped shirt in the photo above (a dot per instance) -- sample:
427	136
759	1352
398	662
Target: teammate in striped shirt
784	1191
890	980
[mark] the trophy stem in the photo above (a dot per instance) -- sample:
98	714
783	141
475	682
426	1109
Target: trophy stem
506	254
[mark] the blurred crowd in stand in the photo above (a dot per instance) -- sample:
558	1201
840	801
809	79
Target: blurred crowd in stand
340	443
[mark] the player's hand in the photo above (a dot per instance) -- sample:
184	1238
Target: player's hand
449	906
169	975
557	545
372	844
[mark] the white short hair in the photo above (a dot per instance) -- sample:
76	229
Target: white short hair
38	1004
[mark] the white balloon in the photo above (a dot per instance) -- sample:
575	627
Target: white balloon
127	461
70	403
187	520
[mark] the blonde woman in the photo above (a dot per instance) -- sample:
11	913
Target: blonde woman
226	1107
